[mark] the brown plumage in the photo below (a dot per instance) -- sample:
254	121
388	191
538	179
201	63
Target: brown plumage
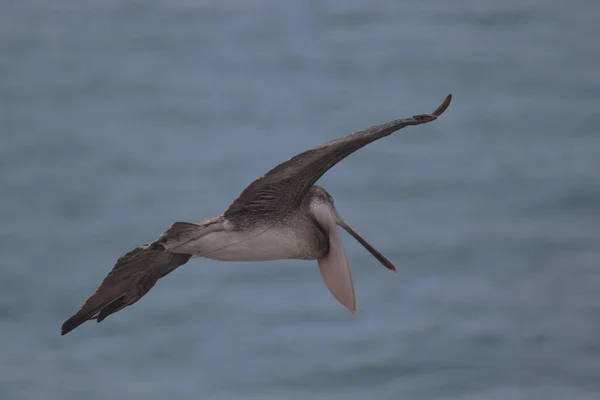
280	215
134	274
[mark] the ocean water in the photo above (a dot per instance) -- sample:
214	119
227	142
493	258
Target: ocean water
118	118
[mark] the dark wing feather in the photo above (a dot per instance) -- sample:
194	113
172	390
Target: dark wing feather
288	183
132	277
137	272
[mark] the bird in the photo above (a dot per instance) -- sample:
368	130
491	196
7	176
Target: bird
281	215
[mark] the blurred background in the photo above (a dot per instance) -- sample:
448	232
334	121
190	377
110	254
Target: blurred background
118	118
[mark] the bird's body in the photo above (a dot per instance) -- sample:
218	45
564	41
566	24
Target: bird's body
278	241
282	215
291	235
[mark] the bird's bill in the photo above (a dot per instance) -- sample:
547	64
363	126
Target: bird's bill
380	257
334	266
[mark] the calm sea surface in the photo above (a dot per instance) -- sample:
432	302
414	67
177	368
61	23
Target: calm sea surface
118	118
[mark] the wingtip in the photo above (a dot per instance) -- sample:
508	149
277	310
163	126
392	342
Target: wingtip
424	118
75	321
66	328
444	106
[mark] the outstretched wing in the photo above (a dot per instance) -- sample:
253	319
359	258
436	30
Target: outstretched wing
287	184
132	277
137	272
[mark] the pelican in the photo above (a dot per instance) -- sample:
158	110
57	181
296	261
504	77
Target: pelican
281	215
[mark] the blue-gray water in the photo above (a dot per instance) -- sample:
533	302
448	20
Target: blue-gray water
118	118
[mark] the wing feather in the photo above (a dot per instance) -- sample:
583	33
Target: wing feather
131	278
136	272
288	182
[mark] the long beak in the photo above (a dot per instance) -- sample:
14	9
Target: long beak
384	261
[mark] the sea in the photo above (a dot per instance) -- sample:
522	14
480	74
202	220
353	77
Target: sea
118	118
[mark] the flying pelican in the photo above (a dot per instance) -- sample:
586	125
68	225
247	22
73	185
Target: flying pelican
281	215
